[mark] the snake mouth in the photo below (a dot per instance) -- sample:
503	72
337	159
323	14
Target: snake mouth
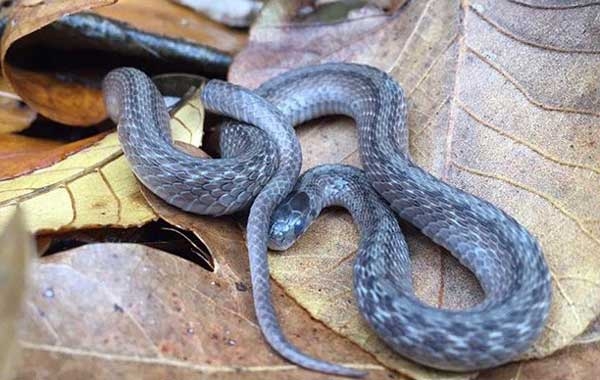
278	247
278	238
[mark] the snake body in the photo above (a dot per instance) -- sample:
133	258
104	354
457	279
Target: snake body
503	255
216	187
505	258
198	185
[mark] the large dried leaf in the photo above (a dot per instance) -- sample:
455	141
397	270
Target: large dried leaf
93	186
16	249
590	335
57	70
502	103
163	17
27	17
225	242
71	103
15	115
147	312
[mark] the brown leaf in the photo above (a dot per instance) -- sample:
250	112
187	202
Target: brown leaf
590	335
21	154
71	103
502	103
119	310
163	17
15	115
26	18
574	362
93	186
67	102
17	248
238	13
65	85
90	188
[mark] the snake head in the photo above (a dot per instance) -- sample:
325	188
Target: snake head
289	221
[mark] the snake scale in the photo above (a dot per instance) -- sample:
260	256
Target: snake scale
503	255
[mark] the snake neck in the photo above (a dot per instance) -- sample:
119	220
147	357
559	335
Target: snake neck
380	235
343	186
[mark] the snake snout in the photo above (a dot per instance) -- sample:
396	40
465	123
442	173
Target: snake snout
279	236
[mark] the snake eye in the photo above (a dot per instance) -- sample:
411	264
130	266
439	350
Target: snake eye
298	226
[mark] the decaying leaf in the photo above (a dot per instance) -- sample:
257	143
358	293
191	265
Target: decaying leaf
574	362
239	13
163	17
71	103
15	115
147	312
502	103
590	335
224	239
55	57
22	154
92	187
16	249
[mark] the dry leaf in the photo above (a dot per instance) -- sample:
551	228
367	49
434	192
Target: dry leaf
502	103
163	17
61	79
17	248
71	103
574	362
239	13
21	154
147	312
68	102
226	243
187	120
24	19
92	187
590	335
15	115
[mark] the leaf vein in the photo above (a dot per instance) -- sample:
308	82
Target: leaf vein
522	89
514	37
545	197
521	141
202	368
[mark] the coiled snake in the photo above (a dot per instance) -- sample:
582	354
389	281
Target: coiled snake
502	254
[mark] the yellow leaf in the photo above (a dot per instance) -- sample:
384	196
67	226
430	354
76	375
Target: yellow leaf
93	187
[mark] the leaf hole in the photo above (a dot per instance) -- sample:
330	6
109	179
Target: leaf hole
159	235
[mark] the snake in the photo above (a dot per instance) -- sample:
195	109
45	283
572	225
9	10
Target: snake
259	167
